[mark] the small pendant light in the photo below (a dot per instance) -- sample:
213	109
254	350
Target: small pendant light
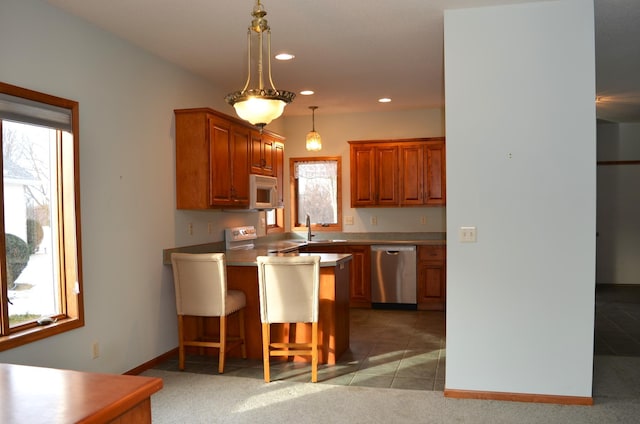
314	141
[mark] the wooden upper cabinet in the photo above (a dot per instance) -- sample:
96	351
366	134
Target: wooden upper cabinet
219	165
363	176
263	153
436	178
386	167
213	159
412	174
392	173
374	175
279	171
240	141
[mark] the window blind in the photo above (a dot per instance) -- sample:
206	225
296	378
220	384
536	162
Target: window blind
15	108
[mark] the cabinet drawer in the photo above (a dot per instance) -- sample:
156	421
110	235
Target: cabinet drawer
431	253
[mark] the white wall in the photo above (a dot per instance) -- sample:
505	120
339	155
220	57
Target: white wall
336	130
128	211
618	241
520	84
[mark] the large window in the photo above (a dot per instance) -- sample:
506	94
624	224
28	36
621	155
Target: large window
39	217
316	191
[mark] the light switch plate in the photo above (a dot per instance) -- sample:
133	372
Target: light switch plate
467	234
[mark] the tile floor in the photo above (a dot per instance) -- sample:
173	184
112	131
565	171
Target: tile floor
406	349
617	327
388	349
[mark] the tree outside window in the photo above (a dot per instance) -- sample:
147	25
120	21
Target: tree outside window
316	188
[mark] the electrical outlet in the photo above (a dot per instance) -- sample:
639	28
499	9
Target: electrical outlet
467	234
348	220
95	350
209	228
190	229
423	220
374	220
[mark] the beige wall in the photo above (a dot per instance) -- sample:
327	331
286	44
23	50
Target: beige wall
337	130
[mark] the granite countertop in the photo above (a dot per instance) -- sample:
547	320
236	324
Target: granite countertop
248	257
288	243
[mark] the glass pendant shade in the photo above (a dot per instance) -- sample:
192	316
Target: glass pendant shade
259	110
314	141
257	104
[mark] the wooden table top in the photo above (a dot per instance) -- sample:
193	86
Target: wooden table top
46	395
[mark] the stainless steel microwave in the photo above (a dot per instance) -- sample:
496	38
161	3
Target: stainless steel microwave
263	192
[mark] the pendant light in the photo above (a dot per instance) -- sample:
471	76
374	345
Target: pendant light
314	141
255	103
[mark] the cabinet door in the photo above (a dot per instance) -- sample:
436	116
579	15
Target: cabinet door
412	174
262	154
255	153
360	278
192	160
220	145
279	171
240	165
386	168
363	176
431	284
268	155
436	174
360	282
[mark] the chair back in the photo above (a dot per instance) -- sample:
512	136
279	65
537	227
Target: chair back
289	288
200	281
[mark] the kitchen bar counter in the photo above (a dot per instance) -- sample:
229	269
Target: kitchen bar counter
286	242
333	322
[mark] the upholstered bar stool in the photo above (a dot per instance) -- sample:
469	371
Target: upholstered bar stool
201	290
289	293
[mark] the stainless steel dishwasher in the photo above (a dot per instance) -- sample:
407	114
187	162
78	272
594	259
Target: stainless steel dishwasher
393	277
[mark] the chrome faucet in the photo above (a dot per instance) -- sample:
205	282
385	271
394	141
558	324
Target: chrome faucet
308	224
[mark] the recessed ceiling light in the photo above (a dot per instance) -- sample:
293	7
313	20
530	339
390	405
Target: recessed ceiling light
284	56
384	100
307	92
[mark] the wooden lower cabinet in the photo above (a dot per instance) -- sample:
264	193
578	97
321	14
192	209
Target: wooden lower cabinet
431	274
431	277
360	278
360	284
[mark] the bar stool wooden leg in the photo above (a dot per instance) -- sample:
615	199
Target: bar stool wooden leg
180	343
242	333
223	343
266	340
314	352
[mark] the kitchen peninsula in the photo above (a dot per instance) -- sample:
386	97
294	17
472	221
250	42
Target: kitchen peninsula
242	274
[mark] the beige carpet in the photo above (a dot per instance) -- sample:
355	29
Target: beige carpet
196	398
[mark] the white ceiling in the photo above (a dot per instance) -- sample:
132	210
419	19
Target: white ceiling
349	52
